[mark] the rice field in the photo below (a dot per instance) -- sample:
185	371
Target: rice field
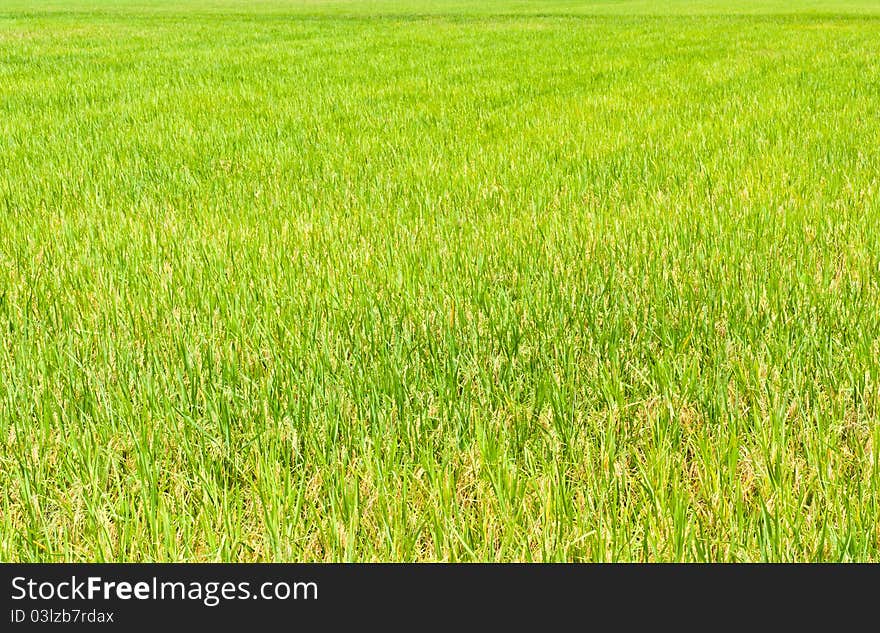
400	280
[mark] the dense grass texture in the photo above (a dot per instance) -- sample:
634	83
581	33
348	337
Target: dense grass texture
458	280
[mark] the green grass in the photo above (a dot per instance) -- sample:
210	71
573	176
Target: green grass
405	280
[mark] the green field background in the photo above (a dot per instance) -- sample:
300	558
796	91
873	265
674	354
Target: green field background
463	8
410	280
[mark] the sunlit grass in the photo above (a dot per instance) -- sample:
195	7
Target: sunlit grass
459	280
